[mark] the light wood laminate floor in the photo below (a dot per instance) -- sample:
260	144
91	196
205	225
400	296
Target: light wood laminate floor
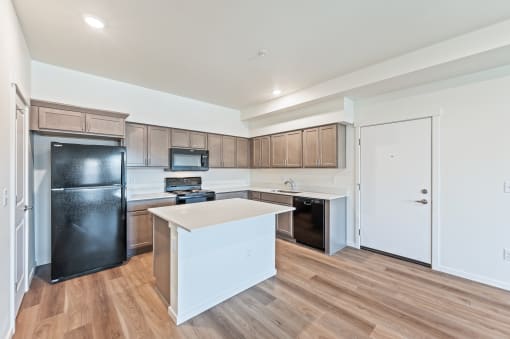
354	294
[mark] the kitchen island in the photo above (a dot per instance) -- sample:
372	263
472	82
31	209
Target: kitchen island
205	253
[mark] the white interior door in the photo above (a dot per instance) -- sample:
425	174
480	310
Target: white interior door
396	175
20	231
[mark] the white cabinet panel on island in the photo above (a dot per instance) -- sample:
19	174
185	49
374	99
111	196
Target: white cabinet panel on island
217	249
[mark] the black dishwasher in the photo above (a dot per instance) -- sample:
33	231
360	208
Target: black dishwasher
309	222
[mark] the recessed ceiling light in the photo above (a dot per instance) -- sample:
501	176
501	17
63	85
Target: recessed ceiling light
93	22
262	53
277	92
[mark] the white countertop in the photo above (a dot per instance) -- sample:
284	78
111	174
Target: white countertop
204	214
299	193
149	196
136	196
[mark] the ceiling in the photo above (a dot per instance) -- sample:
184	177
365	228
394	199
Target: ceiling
207	50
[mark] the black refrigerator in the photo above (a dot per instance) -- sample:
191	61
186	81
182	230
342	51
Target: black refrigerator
88	209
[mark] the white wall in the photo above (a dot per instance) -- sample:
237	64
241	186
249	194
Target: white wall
14	67
474	163
144	105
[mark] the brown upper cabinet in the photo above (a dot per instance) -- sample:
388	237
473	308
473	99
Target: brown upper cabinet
320	146
57	119
286	149
198	140
66	119
136	144
222	151
242	153
260	152
188	139
158	139
147	145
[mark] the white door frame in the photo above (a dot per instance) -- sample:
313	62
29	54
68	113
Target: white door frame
17	91
435	196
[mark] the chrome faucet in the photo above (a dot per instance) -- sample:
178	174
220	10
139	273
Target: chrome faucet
291	183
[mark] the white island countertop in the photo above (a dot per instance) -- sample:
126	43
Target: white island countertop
199	215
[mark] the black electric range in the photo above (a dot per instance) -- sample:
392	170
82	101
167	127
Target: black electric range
188	190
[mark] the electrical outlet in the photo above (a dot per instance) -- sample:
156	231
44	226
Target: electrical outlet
506	188
506	254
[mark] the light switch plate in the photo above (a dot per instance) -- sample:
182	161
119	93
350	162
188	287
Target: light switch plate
5	197
506	254
507	187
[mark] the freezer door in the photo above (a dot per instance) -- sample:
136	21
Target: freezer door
74	165
88	230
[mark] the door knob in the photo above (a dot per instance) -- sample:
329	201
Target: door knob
422	201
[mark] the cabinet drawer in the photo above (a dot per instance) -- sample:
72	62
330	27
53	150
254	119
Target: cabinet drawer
102	124
253	195
276	198
232	195
57	119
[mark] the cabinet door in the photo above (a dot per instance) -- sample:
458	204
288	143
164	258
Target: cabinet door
180	138
198	140
57	119
158	144
255	152
229	151
294	149
242	153
311	147
103	124
214	142
278	150
265	152
136	144
328	146
284	223
139	231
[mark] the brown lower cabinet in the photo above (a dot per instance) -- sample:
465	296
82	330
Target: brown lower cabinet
139	224
284	221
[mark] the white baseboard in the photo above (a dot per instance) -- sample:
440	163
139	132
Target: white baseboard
352	244
474	277
31	277
10	333
217	299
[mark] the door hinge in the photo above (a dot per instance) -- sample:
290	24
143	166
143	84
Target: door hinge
359	141
359	187
359	231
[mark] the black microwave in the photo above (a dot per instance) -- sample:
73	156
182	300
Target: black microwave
185	159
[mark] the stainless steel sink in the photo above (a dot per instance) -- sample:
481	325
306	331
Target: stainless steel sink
286	191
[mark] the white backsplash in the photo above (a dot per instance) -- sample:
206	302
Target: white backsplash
144	180
312	180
